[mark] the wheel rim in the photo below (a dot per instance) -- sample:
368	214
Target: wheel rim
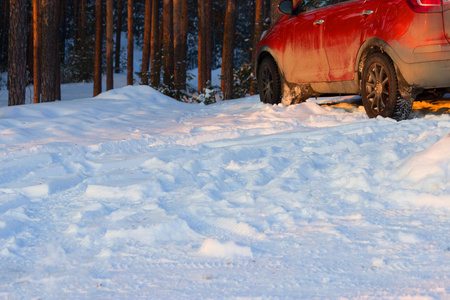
377	88
267	85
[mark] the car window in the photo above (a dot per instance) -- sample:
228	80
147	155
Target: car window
313	4
307	5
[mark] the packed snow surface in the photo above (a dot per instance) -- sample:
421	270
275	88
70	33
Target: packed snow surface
133	195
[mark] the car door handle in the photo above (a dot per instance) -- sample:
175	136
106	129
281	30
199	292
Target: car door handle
318	22
367	12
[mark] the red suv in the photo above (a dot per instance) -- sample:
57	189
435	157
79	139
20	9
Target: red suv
388	51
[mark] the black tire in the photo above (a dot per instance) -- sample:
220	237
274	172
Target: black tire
379	89
269	81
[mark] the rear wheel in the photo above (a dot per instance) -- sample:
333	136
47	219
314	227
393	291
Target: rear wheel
379	86
269	81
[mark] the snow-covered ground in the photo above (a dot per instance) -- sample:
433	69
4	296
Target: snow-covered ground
133	195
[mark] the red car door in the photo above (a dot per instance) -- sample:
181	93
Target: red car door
347	24
304	59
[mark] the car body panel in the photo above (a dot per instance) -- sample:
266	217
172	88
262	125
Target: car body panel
300	32
345	29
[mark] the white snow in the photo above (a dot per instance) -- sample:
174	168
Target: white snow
133	195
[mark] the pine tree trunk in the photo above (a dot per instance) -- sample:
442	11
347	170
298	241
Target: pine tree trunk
177	40
201	46
109	45
76	17
168	65
130	48
146	41
118	35
30	45
155	49
208	21
48	83
228	50
98	48
17	53
63	23
274	13
183	41
82	23
4	22
36	51
258	28
57	17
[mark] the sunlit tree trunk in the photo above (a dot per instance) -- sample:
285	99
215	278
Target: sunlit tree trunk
168	64
177	40
258	27
183	40
36	52
146	41
155	49
228	50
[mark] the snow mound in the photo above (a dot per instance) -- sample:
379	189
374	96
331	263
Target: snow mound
426	175
427	169
214	248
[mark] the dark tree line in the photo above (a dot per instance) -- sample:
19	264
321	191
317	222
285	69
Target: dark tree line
46	42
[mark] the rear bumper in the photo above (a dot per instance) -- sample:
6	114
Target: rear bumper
427	75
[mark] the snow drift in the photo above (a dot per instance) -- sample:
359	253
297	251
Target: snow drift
135	195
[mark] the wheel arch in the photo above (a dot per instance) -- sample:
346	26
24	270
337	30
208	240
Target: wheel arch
372	46
263	52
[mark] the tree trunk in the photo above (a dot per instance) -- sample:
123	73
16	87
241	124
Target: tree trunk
36	51
155	49
109	45
183	41
274	13
76	16
48	83
17	53
98	48
4	23
202	46
130	48
63	23
82	23
208	22
146	41
118	35
228	50
57	17
168	41
177	41
258	29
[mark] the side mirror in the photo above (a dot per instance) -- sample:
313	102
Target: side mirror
286	7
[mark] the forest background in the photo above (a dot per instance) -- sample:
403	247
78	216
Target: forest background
175	36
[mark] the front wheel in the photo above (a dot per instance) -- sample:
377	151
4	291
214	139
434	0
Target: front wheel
379	89
269	81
